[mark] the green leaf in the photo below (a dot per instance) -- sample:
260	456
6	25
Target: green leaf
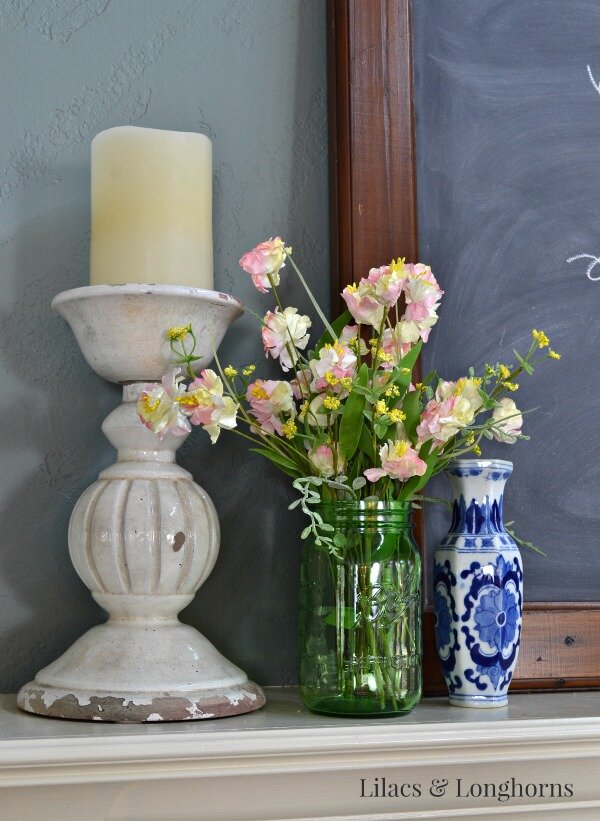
351	422
370	394
525	365
402	380
365	443
412	408
384	551
411	357
337	327
381	425
286	465
488	402
339	540
348	618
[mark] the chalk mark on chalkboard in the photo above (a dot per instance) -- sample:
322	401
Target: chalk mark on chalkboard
593	82
594	261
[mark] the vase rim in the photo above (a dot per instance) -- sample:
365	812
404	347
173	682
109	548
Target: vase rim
367	504
500	464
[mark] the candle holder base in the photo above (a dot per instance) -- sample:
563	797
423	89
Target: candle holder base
122	671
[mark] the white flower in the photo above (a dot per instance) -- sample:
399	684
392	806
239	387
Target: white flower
466	388
223	416
507	421
336	359
283	333
159	408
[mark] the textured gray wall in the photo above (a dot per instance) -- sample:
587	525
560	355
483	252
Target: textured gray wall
252	75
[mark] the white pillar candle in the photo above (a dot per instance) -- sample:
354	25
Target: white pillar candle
151	208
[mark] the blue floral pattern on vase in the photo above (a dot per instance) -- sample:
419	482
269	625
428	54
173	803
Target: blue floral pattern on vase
443	620
497	618
478	588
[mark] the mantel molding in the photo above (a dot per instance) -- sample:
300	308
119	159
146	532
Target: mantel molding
283	762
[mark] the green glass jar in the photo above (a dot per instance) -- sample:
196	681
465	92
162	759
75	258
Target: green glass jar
360	613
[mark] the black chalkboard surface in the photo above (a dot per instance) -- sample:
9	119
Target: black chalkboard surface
507	98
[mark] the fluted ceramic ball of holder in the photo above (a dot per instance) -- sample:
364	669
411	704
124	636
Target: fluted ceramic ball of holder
144	537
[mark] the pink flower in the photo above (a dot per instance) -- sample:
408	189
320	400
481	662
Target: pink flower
363	303
205	405
301	384
284	333
349	337
393	346
321	458
422	294
387	282
264	261
269	400
335	362
441	420
399	460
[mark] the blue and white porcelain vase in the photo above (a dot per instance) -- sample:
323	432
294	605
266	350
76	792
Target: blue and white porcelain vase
478	588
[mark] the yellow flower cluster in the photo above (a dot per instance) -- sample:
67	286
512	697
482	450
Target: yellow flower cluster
470	441
503	372
289	429
178	332
510	386
393	390
331	403
553	355
249	370
396	415
230	371
380	408
541	338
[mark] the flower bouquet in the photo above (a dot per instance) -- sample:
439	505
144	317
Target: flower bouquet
360	437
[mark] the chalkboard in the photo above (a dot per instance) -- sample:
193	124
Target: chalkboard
507	102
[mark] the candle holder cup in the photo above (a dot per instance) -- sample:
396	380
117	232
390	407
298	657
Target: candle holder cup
144	537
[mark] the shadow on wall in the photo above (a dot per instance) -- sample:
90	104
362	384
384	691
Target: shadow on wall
51	451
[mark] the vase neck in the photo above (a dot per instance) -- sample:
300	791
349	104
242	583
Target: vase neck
478	489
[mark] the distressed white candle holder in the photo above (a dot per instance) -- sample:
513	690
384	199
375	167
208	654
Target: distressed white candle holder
144	537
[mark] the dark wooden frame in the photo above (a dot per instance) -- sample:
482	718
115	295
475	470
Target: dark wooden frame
374	218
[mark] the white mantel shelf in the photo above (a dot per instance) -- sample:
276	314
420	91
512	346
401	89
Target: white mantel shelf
285	763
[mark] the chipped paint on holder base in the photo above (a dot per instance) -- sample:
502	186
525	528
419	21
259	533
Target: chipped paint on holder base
129	708
144	537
